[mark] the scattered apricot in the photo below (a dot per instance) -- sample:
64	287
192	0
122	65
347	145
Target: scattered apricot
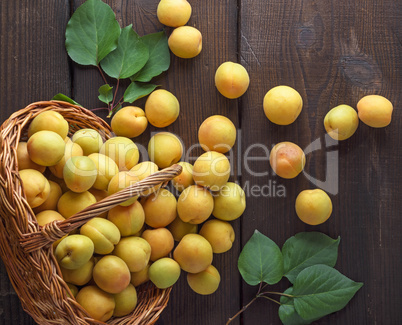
287	159
375	111
231	79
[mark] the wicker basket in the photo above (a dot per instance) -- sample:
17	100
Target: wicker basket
26	248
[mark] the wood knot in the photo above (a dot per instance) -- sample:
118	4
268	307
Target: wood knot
310	34
361	71
306	37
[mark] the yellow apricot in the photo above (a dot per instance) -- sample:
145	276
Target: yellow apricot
140	277
231	80
111	274
106	169
185	178
162	108
185	42
46	148
375	111
173	13
287	159
164	272
217	133
130	122
229	202
161	242
24	161
211	170
341	122
160	208
145	169
88	139
49	121
195	204
122	150
193	253
179	228
220	235
79	173
71	150
129	219
282	105
165	149
51	201
36	187
126	301
313	206
71	203
98	303
134	251
120	181
205	282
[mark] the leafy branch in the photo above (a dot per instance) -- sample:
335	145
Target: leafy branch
307	260
94	37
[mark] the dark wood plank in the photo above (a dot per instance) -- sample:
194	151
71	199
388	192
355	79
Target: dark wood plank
192	82
34	62
33	67
332	52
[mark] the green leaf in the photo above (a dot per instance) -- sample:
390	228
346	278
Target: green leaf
260	260
159	57
128	58
92	32
137	90
306	249
287	312
287	300
320	290
105	93
65	98
289	316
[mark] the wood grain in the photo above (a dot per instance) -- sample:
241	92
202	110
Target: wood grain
332	52
33	67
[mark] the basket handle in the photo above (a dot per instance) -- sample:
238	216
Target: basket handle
55	230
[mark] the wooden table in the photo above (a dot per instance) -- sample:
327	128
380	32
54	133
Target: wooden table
332	52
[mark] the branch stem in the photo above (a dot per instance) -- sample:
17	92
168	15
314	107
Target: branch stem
99	109
115	93
241	310
101	72
269	298
120	100
275	293
260	288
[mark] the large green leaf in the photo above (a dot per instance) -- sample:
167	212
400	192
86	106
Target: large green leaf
65	98
320	290
92	32
159	57
105	93
260	260
306	249
128	58
289	316
137	90
287	312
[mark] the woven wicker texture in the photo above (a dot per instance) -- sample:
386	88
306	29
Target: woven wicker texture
25	247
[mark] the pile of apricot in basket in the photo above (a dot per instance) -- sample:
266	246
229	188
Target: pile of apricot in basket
108	257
